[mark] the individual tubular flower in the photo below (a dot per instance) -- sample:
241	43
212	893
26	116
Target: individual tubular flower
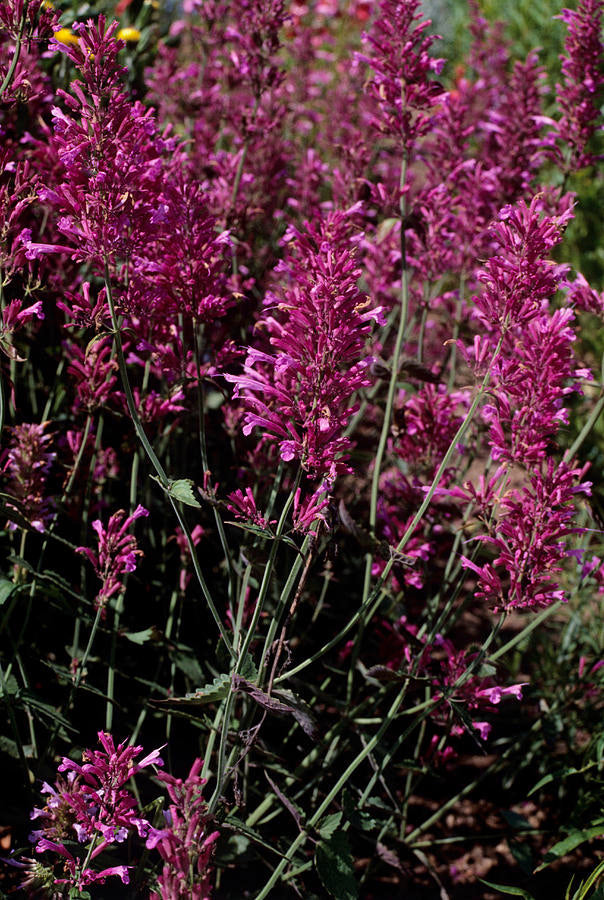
398	56
117	552
186	843
582	81
299	393
91	807
28	461
530	539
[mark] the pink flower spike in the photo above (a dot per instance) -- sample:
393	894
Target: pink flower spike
117	552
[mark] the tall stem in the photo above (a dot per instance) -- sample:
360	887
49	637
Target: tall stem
161	473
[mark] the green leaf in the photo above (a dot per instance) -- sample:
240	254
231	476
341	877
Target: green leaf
10	687
184	490
188	664
357	817
248	668
333	861
209	693
507	889
384	228
6	589
514	819
140	637
328	825
570	842
523	855
553	776
9	747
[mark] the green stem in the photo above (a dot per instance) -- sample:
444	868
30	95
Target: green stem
161	474
18	43
264	587
583	434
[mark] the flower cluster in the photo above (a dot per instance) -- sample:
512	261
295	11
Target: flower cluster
579	94
530	540
116	554
91	807
300	392
186	842
27	464
400	62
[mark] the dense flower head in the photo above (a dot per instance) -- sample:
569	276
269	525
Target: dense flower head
578	94
401	68
91	804
183	270
27	463
531	380
116	554
514	147
93	374
521	277
186	842
256	42
318	322
110	155
530	540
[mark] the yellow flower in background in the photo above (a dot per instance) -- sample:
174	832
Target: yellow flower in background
65	36
130	35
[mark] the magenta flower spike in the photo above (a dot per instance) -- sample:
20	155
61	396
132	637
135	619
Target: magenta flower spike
401	65
299	393
579	94
91	804
186	843
117	552
27	463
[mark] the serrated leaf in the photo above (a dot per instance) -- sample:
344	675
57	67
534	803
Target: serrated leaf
329	824
248	668
570	842
183	490
189	665
333	861
507	889
357	817
209	693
